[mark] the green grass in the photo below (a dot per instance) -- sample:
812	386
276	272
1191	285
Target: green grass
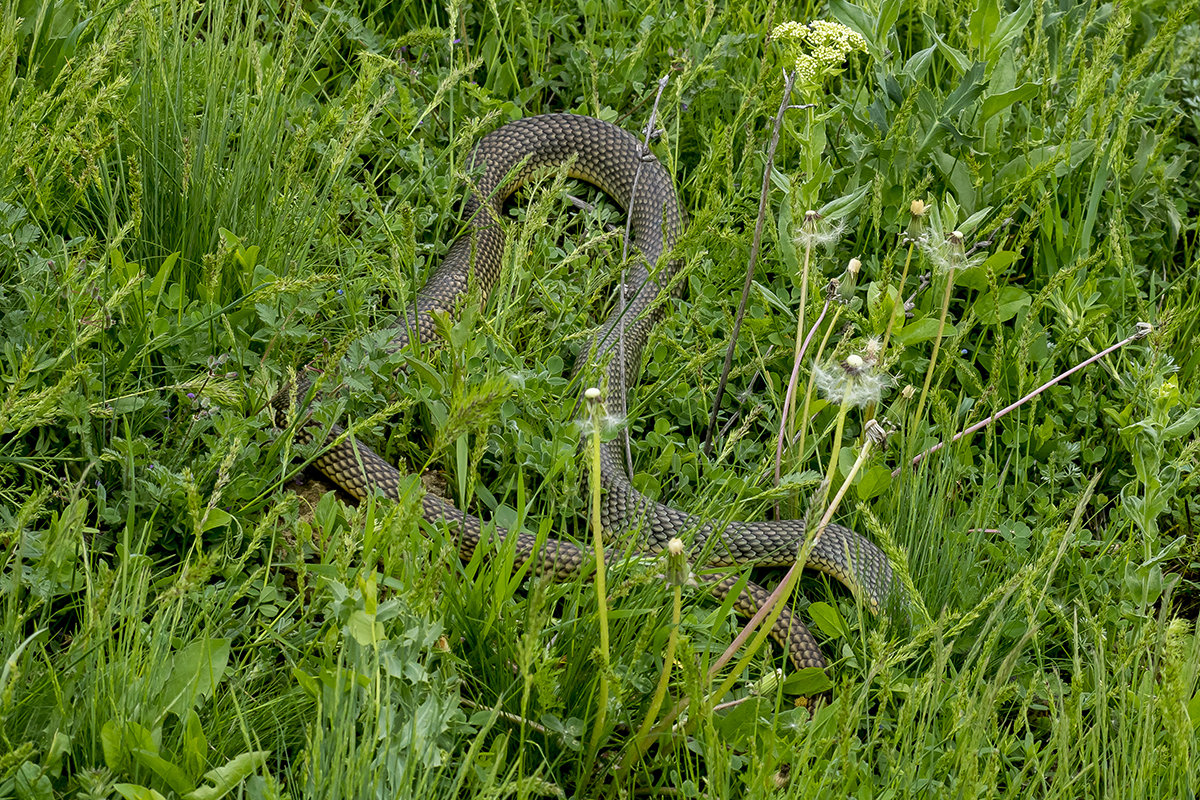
196	200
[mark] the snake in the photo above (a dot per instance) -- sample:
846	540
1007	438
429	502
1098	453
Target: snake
624	168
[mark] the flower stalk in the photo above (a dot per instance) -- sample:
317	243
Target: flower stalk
595	411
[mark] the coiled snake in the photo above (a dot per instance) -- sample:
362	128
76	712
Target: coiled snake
616	162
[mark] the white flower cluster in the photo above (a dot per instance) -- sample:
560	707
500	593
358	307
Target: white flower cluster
818	46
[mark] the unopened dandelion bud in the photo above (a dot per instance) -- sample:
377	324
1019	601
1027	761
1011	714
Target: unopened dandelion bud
908	392
854	266
917	211
765	686
677	565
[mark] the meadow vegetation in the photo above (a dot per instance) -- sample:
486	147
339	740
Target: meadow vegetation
198	200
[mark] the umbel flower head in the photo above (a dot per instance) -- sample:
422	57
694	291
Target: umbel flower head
819	48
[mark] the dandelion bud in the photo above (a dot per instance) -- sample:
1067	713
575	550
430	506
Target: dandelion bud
677	566
765	686
917	211
854	266
908	391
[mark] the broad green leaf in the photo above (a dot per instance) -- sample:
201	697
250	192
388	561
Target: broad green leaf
993	104
922	330
873	482
993	310
173	774
1009	28
225	779
216	518
195	670
1182	426
31	783
846	204
364	628
132	791
829	620
858	19
808	681
957	59
976	277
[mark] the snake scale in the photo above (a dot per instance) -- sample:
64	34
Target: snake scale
616	162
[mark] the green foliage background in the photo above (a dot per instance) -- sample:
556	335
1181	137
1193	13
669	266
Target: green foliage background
198	199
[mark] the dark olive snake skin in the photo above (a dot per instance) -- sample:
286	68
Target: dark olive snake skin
610	158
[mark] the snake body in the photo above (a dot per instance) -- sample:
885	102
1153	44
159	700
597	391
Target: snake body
616	162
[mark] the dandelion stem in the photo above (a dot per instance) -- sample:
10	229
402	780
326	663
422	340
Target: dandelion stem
593	397
836	447
789	409
937	343
644	736
863	452
887	333
788	400
837	312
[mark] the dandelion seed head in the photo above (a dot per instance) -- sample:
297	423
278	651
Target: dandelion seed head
816	232
854	266
947	254
608	424
851	381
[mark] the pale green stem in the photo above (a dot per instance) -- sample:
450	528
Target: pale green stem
601	593
937	343
644	737
841	492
